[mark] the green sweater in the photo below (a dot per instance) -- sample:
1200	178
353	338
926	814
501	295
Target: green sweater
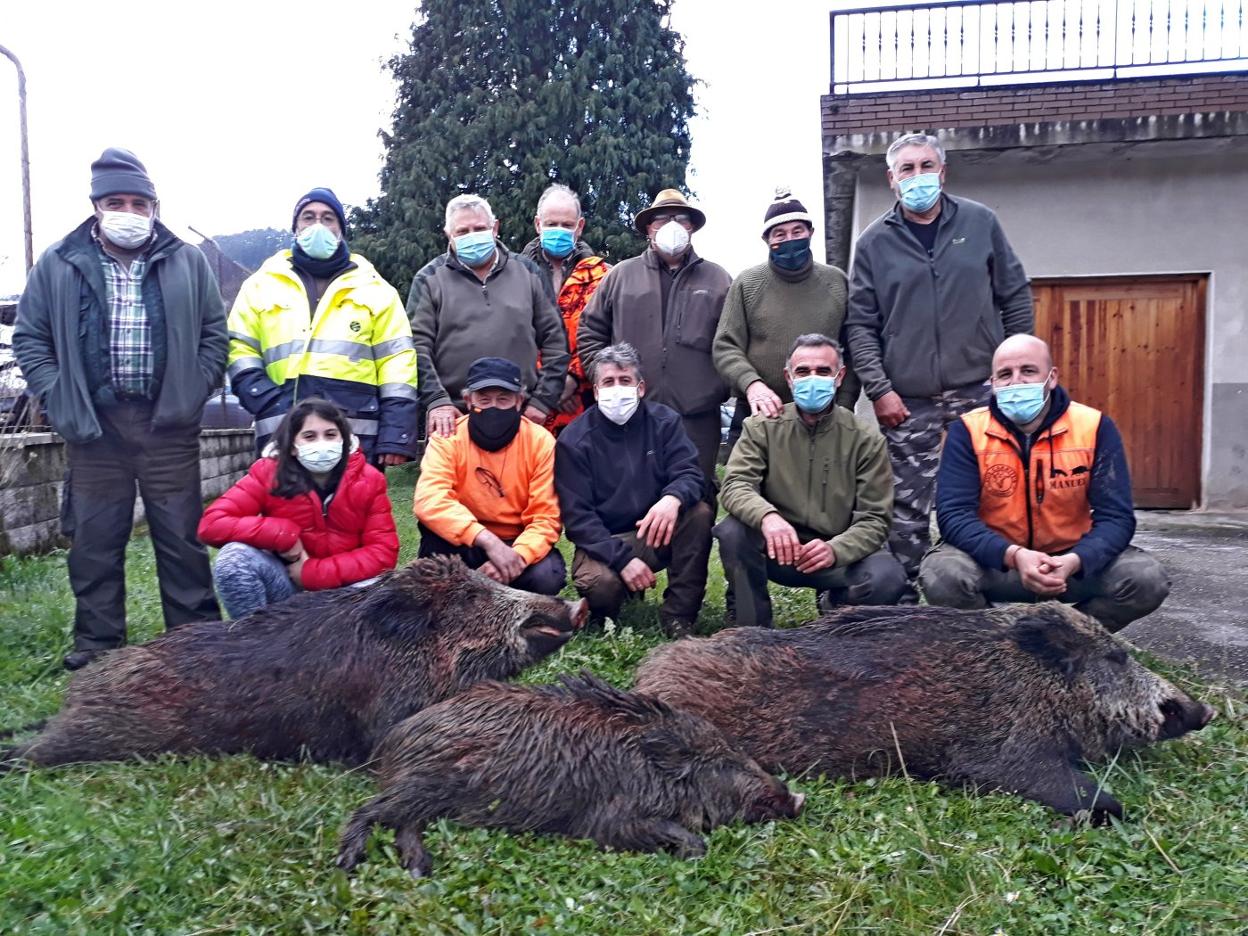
832	481
763	314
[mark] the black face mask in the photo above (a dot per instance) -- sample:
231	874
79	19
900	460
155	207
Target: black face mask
493	428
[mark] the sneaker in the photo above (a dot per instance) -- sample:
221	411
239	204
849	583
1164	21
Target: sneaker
80	658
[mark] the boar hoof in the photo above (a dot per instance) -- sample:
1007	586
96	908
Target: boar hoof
692	847
349	862
421	868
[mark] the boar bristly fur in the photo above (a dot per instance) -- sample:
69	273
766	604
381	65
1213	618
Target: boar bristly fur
581	759
323	675
1015	698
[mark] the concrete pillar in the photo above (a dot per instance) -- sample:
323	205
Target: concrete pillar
840	181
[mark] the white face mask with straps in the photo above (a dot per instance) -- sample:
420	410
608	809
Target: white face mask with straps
618	403
125	228
671	239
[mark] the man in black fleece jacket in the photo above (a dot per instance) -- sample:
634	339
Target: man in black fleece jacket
1033	497
631	495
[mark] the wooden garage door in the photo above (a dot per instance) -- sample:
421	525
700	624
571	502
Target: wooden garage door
1135	348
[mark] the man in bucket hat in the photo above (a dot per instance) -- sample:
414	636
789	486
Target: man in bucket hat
666	303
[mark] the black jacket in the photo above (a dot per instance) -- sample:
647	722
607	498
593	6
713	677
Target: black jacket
608	476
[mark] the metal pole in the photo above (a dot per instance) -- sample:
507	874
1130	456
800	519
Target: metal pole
21	98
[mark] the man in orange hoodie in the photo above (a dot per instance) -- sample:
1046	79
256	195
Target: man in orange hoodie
487	492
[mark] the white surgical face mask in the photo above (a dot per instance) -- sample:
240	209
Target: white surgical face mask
671	239
618	403
125	228
320	457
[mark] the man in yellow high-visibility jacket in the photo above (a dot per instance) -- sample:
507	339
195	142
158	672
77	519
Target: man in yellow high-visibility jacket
319	321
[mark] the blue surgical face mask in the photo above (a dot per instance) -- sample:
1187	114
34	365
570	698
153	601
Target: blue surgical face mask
814	394
557	241
317	241
475	247
1021	403
920	192
791	254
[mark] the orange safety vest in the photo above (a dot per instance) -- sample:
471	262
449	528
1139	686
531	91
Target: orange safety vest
574	296
1042	505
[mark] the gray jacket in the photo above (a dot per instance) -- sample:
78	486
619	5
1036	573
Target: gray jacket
920	325
50	316
675	351
456	319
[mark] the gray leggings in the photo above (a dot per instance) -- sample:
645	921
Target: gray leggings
250	578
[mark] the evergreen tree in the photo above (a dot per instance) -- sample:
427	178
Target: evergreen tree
503	97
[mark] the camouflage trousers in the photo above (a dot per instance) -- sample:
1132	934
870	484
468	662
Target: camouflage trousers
914	450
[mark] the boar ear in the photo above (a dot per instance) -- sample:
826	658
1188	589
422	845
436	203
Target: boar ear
1051	639
392	612
668	755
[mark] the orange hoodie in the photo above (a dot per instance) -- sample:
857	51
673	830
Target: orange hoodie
456	495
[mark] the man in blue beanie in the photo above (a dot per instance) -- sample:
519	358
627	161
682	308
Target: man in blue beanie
120	333
319	321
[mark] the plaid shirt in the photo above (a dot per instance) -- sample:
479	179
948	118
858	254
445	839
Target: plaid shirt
130	331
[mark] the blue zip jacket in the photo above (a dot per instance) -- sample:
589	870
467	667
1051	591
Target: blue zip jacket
1109	494
608	476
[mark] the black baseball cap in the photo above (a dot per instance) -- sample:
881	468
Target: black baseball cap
493	372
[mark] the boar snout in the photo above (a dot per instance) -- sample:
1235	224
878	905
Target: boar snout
1182	714
799	800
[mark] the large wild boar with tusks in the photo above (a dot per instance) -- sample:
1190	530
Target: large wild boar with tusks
324	675
582	759
1017	698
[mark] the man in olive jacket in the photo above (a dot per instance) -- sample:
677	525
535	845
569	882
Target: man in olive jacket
121	335
809	495
666	303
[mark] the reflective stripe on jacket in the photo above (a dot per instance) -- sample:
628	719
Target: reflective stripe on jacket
1041	503
355	350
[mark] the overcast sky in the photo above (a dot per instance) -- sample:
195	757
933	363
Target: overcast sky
238	108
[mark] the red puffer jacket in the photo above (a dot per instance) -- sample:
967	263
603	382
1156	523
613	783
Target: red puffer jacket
353	540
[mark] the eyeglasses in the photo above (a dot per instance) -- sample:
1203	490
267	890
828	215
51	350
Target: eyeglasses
684	219
490	480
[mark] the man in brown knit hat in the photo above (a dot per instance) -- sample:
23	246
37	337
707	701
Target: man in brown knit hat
770	305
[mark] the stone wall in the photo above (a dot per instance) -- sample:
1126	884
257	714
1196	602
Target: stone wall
32	472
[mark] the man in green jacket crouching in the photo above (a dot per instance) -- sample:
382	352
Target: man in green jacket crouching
809	496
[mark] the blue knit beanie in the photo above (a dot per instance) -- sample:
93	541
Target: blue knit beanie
326	197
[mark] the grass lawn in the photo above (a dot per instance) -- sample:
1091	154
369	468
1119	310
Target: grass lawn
231	845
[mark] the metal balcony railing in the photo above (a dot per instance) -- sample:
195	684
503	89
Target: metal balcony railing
969	43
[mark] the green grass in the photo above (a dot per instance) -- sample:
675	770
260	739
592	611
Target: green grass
231	845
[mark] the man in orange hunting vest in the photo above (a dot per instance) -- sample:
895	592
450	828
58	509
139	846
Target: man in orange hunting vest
1033	498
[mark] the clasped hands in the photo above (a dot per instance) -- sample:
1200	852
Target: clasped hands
1040	573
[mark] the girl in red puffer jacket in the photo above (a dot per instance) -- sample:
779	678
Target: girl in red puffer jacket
310	514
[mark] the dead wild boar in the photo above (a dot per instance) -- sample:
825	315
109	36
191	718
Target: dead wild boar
323	675
582	759
1014	698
